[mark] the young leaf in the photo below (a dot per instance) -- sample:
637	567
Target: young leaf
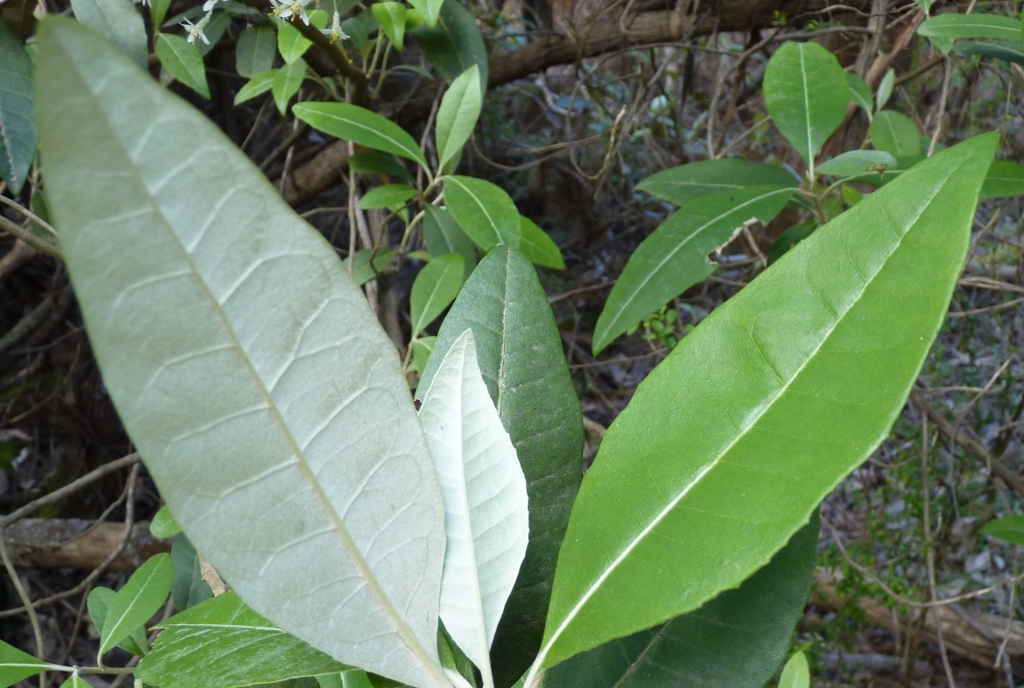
458	113
254	52
696	179
118	22
376	162
16	665
17	114
98	603
1008	528
885	89
139	599
455	43
443	235
287	81
222	642
736	640
855	162
484	210
182	60
520	355
163	524
860	93
951	25
538	246
806	92
241	413
763	409
188	588
895	134
435	288
484	490
675	256
796	674
391	17
259	84
1005	179
391	196
361	126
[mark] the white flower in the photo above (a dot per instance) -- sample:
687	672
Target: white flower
208	5
291	8
196	30
335	31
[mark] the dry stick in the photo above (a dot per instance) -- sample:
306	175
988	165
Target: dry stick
941	109
27	325
930	551
25	600
28	237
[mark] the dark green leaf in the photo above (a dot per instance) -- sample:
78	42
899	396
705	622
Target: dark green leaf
435	287
361	126
895	134
860	93
254	52
696	179
1008	528
97	604
454	44
856	162
1005	179
443	235
17	114
390	196
287	81
189	588
790	238
538	246
158	11
364	269
484	211
457	115
139	599
182	61
975	25
261	83
376	162
16	665
1011	51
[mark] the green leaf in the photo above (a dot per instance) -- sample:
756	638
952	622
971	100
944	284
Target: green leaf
1010	51
443	235
118	22
459	111
369	262
454	44
763	409
885	89
484	211
484	491
98	603
436	286
675	256
219	22
538	246
17	114
736	640
163	524
259	84
796	674
224	397
287	81
158	11
421	350
520	355
391	17
895	134
136	602
390	196
1008	528
806	92
376	162
182	61
16	665
429	9
222	642
1005	179
361	126
75	681
188	588
950	25
790	238
255	50
290	43
697	179
856	162
860	93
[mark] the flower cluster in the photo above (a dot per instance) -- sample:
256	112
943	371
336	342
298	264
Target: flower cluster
196	30
285	9
334	30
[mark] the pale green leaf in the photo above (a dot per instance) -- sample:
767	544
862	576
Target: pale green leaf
538	246
895	134
806	92
458	113
951	25
885	89
119	22
443	235
138	600
290	43
860	93
17	113
675	256
454	44
855	162
484	211
97	604
796	674
1005	179
391	17
287	81
434	289
484	491
255	50
222	642
239	401
1008	528
182	61
259	84
16	665
367	263
428	9
520	354
390	196
736	640
362	126
188	588
163	524
693	180
762	409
